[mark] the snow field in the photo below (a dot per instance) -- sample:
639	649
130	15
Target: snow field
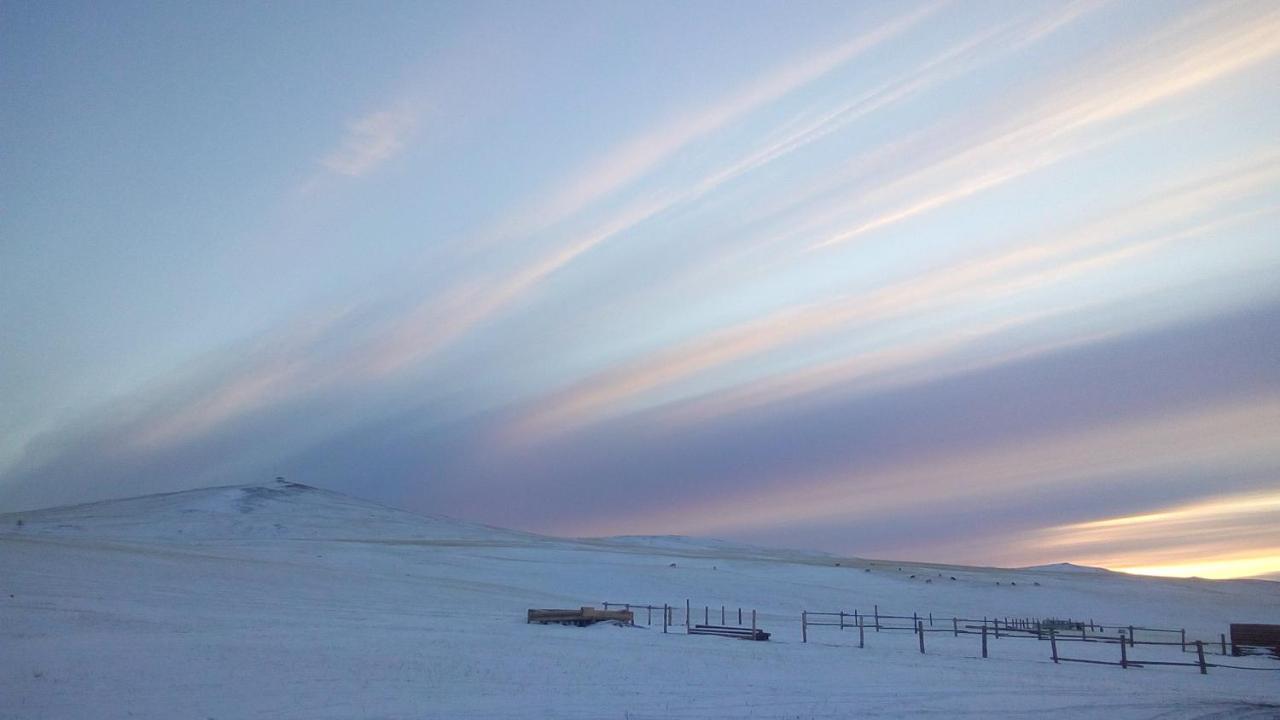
285	601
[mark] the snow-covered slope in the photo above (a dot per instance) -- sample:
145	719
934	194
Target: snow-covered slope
282	600
279	510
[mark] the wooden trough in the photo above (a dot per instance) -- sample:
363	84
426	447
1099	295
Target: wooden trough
1246	638
581	617
742	633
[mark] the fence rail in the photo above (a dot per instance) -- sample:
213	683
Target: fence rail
1053	630
671	616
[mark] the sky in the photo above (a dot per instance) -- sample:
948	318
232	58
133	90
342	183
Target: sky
986	283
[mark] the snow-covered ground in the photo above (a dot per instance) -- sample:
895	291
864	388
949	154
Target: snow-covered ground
282	601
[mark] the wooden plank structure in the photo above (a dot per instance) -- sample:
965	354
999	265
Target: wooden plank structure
581	617
742	633
1251	636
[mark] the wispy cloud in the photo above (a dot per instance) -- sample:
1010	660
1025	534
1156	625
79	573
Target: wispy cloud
1115	237
292	369
1207	46
371	141
905	362
616	169
1191	53
278	367
961	58
445	318
626	163
655	302
240	394
630	160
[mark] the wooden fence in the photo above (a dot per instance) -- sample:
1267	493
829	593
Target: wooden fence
1053	631
1058	633
689	616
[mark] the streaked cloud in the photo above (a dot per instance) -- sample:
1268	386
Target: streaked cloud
1191	53
1231	536
1238	432
798	270
260	387
1117	237
630	160
621	166
962	57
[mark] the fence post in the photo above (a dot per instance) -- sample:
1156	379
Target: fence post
1200	657
1124	656
1053	643
686	612
984	639
955	627
666	616
930	619
753	624
804	626
1184	639
996	622
1224	642
706	614
877	611
1131	637
841	619
915	622
861	637
920	632
739	617
722	615
650	620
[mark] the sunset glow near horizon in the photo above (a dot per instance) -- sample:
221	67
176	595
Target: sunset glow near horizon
985	284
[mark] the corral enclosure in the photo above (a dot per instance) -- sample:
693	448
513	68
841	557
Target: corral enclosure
285	601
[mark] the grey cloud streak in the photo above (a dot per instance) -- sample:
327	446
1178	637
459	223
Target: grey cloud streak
438	456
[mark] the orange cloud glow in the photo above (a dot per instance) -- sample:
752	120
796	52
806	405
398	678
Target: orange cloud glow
1233	536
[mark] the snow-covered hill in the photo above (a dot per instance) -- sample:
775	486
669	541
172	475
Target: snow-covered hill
282	600
279	510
